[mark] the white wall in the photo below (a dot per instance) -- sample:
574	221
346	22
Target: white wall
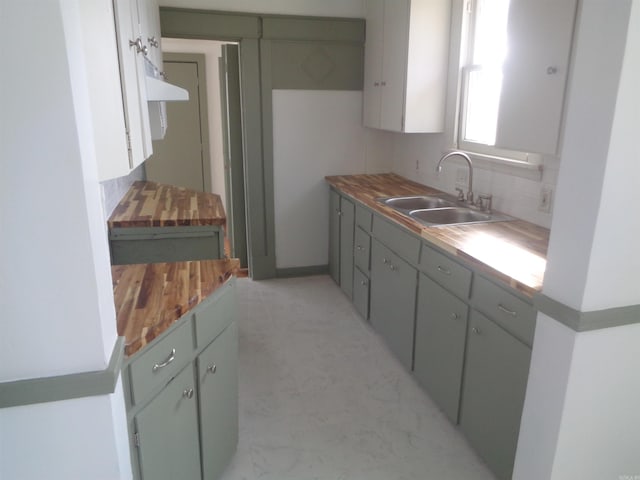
212	51
331	8
581	418
316	133
55	279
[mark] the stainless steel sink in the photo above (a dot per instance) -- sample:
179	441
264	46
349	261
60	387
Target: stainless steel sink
455	216
407	204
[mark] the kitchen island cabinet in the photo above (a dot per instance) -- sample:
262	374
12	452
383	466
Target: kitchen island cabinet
180	373
163	223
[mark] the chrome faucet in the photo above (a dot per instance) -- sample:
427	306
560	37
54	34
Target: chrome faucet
466	157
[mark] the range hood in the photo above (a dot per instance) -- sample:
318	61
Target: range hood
160	91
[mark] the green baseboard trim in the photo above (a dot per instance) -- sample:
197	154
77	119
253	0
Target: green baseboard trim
586	321
302	271
64	387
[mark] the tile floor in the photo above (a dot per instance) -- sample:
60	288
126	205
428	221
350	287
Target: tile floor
321	398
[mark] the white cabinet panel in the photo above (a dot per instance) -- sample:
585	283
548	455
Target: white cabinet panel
535	74
406	61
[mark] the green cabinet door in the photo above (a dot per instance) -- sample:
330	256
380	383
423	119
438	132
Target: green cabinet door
494	387
347	225
168	432
218	397
334	236
361	293
392	301
441	330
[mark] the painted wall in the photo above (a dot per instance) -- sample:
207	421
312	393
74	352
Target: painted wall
329	8
580	418
55	279
212	51
316	133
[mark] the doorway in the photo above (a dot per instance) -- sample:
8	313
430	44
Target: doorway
203	148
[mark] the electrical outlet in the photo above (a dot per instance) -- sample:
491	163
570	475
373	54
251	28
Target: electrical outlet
546	197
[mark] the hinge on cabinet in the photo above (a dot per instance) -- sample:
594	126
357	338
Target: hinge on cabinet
136	439
128	142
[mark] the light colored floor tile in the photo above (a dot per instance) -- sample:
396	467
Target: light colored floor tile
321	397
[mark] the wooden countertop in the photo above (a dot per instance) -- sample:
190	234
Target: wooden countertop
150	204
513	252
149	298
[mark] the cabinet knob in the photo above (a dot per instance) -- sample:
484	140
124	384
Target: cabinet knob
454	316
444	270
392	267
363	283
153	41
376	84
212	368
188	393
136	43
359	248
384	84
551	70
476	330
385	261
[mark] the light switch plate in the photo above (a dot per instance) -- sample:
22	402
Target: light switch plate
546	198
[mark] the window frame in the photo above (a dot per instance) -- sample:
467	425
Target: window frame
482	151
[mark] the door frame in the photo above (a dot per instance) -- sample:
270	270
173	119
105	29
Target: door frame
199	60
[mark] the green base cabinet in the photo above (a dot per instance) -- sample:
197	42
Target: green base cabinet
334	236
347	225
218	401
494	387
392	301
441	331
168	445
361	293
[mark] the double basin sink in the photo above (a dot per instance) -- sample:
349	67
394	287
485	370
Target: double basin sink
441	210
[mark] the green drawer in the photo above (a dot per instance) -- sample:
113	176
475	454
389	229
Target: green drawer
362	249
507	310
161	360
396	239
448	273
215	314
363	218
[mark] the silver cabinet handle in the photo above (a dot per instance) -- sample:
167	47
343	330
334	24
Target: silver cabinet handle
339	213
393	268
363	283
454	316
212	368
504	309
359	248
376	84
384	84
551	70
170	358
444	270
476	330
188	393
153	41
136	43
385	261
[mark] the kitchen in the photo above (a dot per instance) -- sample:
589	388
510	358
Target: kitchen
51	200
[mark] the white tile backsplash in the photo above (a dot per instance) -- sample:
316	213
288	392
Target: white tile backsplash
114	190
515	193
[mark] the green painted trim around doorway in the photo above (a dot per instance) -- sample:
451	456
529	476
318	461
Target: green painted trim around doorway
65	387
302	271
586	321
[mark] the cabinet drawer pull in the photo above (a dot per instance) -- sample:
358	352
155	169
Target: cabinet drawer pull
170	358
188	393
454	316
502	308
385	261
359	248
476	330
212	368
393	268
363	283
444	270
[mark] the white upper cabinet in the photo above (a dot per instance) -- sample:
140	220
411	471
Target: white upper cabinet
406	61
535	74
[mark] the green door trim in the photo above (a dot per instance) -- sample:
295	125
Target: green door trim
334	47
65	387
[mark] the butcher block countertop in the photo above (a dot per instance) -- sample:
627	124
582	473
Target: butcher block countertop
150	204
513	252
149	298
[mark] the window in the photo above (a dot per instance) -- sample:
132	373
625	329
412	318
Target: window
483	58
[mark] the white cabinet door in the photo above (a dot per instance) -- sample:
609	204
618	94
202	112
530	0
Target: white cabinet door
132	74
394	64
406	61
373	53
535	74
105	92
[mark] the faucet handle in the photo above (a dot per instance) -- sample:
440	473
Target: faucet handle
484	202
460	194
